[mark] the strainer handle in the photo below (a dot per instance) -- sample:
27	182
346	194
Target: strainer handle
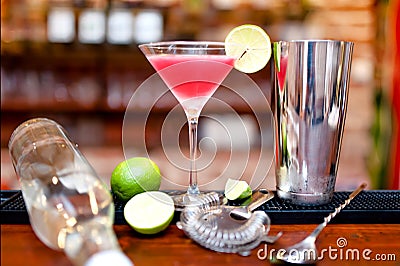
259	198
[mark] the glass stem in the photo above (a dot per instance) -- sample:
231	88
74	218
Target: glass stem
193	188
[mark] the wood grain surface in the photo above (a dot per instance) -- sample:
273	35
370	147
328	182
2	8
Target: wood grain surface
347	244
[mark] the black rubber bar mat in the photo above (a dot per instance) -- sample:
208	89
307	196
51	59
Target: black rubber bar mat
371	206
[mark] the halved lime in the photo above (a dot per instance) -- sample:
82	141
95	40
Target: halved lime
250	45
149	212
237	189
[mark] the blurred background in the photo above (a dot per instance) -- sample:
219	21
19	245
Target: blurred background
77	62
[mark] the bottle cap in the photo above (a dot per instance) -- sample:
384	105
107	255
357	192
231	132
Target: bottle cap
109	257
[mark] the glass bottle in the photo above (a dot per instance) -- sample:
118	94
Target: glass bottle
70	209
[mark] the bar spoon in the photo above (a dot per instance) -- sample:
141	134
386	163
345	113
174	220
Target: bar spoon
305	252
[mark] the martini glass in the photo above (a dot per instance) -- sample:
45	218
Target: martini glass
192	71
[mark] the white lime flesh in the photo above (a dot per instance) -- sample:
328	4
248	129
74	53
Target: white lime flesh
237	189
149	212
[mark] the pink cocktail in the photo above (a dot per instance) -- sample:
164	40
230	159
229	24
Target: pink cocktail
192	71
192	77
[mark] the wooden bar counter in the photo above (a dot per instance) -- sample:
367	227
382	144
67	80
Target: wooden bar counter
346	244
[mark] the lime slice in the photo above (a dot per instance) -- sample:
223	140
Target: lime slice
250	45
149	212
277	56
237	189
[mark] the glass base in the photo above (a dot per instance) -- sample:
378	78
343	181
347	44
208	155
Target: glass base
185	199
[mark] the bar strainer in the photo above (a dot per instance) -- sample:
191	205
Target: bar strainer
213	227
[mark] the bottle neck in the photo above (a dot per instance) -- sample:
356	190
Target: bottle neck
109	257
91	242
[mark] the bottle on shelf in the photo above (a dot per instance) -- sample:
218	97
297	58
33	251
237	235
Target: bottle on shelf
61	23
120	26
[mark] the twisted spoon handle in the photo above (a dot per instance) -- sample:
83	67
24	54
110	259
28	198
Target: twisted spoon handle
346	202
328	218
